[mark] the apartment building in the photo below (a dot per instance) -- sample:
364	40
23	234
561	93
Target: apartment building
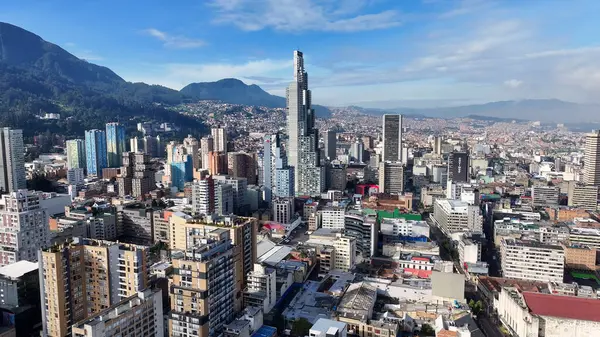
138	315
283	210
203	287
585	236
135	224
186	232
24	228
543	196
544	232
580	257
404	227
334	250
333	217
530	260
85	277
453	216
583	196
261	291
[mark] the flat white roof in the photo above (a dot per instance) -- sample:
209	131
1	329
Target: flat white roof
18	269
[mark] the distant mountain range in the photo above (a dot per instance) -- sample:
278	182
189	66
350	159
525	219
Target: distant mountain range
544	110
38	76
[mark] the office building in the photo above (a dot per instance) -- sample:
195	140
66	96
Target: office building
330	141
392	138
284	182
583	196
219	136
453	216
242	165
588	237
24	227
192	147
207	145
153	146
181	166
75	176
76	153
115	144
333	217
85	277
391	178
338	178
272	158
335	250
239	187
217	163
135	224
530	260
137	176
136	144
224	198
469	251
356	151
367	142
404	228
187	232
202	287
592	159
261	291
283	210
437	145
458	167
543	196
302	148
138	315
365	230
12	160
95	152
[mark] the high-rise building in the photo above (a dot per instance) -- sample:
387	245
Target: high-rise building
12	160
437	145
219	136
85	277
151	146
357	150
391	177
180	165
283	210
24	227
142	312
530	260
330	142
284	182
262	288
203	287
135	224
95	151
239	187
453	216
543	196
115	143
192	147
136	144
392	138
188	232
592	158
242	165
583	196
207	145
217	163
303	143
223	198
272	158
203	196
137	176
458	167
367	142
339	178
76	153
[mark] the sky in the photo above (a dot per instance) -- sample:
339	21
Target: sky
373	53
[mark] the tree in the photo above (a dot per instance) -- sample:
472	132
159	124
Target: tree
301	327
476	307
427	330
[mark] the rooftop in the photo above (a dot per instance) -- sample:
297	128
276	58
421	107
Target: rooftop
575	308
18	269
324	324
265	331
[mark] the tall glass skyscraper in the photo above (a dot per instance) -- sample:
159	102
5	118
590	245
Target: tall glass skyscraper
115	144
76	153
303	144
95	151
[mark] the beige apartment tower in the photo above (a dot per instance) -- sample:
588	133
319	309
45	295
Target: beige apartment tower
85	277
592	158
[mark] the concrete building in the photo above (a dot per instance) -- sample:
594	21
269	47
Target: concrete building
391	178
529	260
187	232
261	291
75	153
203	196
365	230
115	144
583	196
192	147
339	178
224	198
85	277
24	227
334	250
333	217
592	159
239	187
535	314
207	145
137	176
75	176
202	289
283	210
356	151
219	135
543	196
138	315
469	251
392	138
458	167
95	152
242	165
453	216
578	257
16	281
284	182
217	163
589	237
12	160
403	227
135	224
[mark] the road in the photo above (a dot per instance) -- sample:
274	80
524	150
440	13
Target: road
488	328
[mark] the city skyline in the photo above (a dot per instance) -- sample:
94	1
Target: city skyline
545	50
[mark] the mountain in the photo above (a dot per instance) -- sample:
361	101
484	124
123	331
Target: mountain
544	110
234	91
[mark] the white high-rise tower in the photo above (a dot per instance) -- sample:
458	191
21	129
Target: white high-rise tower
302	150
592	158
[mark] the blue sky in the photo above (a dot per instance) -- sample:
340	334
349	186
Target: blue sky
370	52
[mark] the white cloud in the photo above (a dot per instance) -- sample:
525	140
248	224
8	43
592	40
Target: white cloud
170	41
297	16
513	83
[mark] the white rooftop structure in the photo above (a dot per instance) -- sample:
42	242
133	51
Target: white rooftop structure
18	269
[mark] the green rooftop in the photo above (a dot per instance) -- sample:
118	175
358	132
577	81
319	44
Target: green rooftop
396	214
